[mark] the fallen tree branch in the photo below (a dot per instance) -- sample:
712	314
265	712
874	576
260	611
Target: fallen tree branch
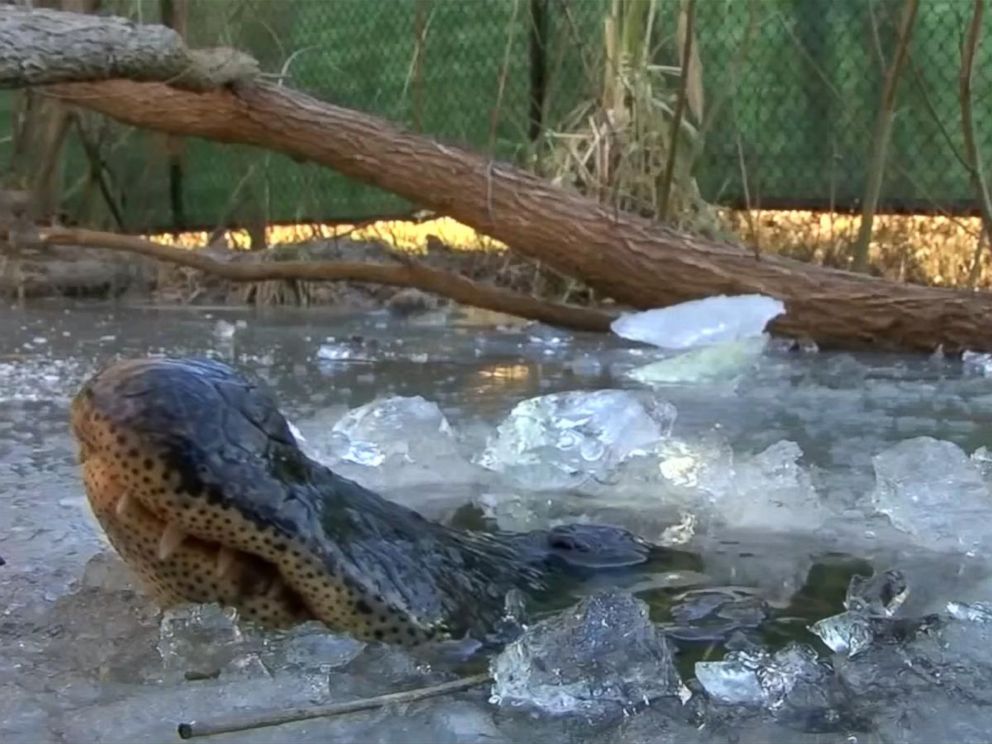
42	47
409	273
633	260
248	721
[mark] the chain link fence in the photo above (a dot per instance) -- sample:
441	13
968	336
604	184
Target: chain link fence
792	92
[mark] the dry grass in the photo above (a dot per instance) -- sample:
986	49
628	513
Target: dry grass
923	249
633	147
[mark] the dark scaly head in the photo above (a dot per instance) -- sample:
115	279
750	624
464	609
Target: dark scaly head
198	483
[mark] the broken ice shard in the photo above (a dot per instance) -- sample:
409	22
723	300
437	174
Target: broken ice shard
930	489
882	594
724	362
563	439
977	362
849	633
406	428
870	604
602	657
753	677
713	320
974	612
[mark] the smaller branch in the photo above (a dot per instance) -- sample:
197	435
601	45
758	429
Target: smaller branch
883	132
277	717
409	274
972	156
98	171
689	9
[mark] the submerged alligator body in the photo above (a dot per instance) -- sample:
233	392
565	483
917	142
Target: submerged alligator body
200	486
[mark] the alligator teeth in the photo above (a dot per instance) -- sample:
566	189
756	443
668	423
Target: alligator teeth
225	562
171	539
123	504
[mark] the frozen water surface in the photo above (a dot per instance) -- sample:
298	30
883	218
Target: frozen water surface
808	471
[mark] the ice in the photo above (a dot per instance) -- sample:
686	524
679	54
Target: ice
404	429
932	490
880	595
769	490
205	641
723	362
225	330
974	612
849	633
599	658
871	604
933	685
754	677
336	352
563	439
548	337
977	362
712	320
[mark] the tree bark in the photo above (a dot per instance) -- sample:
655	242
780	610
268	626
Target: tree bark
41	47
631	259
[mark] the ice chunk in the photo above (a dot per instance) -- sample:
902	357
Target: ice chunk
563	439
881	595
974	612
930	489
753	677
770	490
700	322
602	657
224	330
107	571
849	633
871	604
548	336
853	633
977	362
336	352
202	641
406	429
724	362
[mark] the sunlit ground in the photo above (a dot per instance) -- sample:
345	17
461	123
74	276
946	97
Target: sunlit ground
929	249
402	235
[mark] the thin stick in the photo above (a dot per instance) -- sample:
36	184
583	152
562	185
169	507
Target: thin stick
880	140
195	729
410	274
973	157
689	8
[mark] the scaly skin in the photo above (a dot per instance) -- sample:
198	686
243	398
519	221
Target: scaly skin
194	475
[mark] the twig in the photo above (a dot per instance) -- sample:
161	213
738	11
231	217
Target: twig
504	73
968	53
443	283
98	171
666	188
194	729
880	142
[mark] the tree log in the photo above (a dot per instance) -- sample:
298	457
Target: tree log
635	261
43	47
408	274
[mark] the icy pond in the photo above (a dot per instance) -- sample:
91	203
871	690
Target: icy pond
833	509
